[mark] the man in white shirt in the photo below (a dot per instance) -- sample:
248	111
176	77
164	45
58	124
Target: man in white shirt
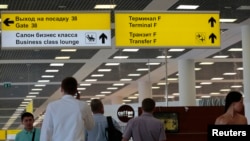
67	118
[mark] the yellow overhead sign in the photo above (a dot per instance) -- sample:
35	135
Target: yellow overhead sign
29	107
13	131
55	21
2	134
179	29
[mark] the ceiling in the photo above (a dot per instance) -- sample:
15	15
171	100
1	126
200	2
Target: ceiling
22	68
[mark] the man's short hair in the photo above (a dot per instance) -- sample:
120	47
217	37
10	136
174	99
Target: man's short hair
96	105
232	96
69	85
148	105
26	114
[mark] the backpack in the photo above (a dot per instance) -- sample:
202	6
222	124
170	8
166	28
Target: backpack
112	134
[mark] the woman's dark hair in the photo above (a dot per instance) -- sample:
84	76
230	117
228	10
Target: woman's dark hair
231	97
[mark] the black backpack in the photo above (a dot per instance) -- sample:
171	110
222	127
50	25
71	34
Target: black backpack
112	134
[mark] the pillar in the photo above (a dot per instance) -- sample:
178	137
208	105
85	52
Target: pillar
145	90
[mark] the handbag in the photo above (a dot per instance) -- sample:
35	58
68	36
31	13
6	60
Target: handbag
113	133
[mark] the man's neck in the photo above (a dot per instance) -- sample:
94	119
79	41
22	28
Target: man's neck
29	129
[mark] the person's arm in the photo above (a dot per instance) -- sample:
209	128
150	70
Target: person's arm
47	126
162	133
88	118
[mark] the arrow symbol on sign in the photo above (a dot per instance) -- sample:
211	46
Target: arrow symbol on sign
103	37
212	21
7	22
212	37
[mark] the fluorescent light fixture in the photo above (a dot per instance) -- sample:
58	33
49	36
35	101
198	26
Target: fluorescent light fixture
62	57
206	63
20	109
235	49
33	92
100	95
240	68
106	92
36	89
175	94
132	97
161	83
112	64
163	57
91	80
48	76
126	100
31	96
142	69
112	88
172	79
118	84
225	90
3	6
23	105
198	87
220	56
205	96
229	73
97	75
104	70
120	57
85	84
105	6
214	93
206	83
197	69
80	89
227	20
236	86
125	79
217	78
155	87
170	96
176	50
153	64
134	74
136	94
25	102
187	7
130	50
39	85
27	99
57	64
43	81
51	70
68	50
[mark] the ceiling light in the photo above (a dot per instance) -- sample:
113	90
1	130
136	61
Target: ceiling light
221	56
105	6
152	64
142	69
40	85
90	80
170	96
36	89
80	89
236	86
112	88
104	70
205	96
214	93
176	50
244	7
187	7
155	87
23	105
112	64
206	83
217	78
51	70
118	84
25	102
175	94
206	63
134	74
126	100
229	73
227	20
120	57
43	81
3	6
161	83
197	69
57	64
33	92
97	75
172	79
225	90
163	57
125	79
197	87
31	96
130	50
240	68
235	49
106	92
68	50
62	57
136	94
100	95
85	84
132	97
48	76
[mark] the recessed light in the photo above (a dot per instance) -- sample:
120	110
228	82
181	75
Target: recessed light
125	79
48	76
57	64
198	87
106	92
104	70
105	6
36	89
172	79
120	57
187	7
68	50
3	6
225	90
206	63
51	70
176	50
235	49
152	64
40	85
97	75
90	80
112	88
206	83
130	50
214	93
240	68
220	56
85	84
163	57
134	74
229	73
100	95
154	87
80	89
43	81
142	69
197	69
126	100
118	84
205	96
33	92
132	97
112	64
227	20
217	78
161	83
62	57
236	86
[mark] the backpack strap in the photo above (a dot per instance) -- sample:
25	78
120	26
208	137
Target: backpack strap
33	136
110	122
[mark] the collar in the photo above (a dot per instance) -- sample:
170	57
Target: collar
146	114
26	131
67	96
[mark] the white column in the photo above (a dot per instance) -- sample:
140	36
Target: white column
145	90
116	100
246	66
187	90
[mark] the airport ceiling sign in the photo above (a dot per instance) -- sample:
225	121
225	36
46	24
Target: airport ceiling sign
167	29
56	29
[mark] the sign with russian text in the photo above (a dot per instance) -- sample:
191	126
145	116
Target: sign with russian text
167	29
43	29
